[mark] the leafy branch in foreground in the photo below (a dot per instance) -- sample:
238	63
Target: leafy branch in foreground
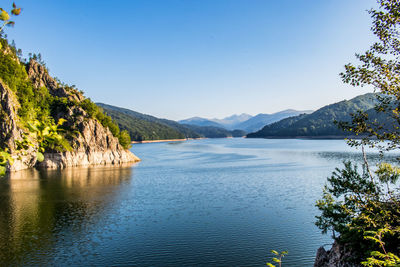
277	259
42	137
355	204
382	257
48	136
5	16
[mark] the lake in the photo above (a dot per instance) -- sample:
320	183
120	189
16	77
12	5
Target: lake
211	202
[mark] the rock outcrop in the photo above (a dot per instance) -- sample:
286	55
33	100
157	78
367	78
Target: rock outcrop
10	129
92	143
40	77
93	146
8	117
337	256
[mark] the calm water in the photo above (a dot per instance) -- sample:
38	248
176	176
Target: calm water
221	202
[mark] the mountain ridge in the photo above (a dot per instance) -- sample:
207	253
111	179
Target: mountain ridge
244	121
320	123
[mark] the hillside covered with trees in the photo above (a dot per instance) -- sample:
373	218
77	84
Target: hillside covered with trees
320	123
143	127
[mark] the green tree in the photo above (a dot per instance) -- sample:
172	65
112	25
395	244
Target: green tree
356	204
125	139
380	69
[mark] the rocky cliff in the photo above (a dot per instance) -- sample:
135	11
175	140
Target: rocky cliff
94	145
337	256
10	129
91	142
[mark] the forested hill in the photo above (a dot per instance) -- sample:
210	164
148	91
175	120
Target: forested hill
319	123
143	127
215	132
140	130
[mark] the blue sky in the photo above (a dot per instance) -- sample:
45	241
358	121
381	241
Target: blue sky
211	58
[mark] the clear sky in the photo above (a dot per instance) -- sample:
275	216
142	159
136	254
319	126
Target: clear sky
211	58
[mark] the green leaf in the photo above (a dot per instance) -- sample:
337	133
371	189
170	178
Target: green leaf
16	11
39	156
10	23
2	170
4	16
275	252
61	121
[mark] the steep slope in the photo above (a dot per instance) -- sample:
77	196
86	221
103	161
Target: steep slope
10	128
319	123
140	125
259	121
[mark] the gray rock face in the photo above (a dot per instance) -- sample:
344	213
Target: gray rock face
10	130
8	117
40	77
93	144
74	159
337	256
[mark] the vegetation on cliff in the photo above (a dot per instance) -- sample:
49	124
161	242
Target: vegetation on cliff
36	103
361	207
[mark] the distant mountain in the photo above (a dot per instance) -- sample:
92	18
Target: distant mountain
244	122
259	121
197	121
319	123
232	121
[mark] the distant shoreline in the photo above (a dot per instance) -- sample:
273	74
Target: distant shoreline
164	140
322	137
325	137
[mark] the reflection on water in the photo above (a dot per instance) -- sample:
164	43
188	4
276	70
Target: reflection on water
223	202
373	158
37	205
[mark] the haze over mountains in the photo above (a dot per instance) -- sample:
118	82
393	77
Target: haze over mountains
245	121
284	124
142	127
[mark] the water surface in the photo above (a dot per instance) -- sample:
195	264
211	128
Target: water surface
215	202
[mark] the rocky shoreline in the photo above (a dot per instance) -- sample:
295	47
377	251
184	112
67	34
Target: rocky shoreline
337	256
